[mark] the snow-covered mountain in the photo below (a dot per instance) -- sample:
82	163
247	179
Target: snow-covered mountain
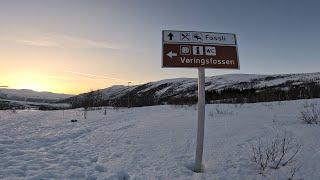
30	95
161	92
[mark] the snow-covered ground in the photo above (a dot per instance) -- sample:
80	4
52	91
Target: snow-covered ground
152	142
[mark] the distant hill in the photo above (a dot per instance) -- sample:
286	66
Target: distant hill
30	95
234	88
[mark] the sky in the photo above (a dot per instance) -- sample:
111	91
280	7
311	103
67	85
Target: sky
76	46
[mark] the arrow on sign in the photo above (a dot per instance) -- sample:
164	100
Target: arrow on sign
171	54
170	35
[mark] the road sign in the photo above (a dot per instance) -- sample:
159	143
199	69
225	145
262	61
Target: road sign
199	49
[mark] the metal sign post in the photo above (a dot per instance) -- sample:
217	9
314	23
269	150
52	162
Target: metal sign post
201	118
200	50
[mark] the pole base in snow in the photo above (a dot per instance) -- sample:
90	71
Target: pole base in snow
198	169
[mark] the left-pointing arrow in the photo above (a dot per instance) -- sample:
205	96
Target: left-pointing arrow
171	54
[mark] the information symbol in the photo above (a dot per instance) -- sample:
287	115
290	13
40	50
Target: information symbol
197	50
185	50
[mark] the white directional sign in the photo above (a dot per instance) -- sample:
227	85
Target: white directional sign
198	37
199	49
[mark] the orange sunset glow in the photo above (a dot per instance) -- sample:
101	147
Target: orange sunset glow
60	65
72	47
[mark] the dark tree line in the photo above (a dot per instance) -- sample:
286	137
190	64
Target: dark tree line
306	91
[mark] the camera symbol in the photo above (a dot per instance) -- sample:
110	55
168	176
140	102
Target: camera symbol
185	50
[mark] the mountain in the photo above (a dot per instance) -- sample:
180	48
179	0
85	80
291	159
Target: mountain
30	95
225	88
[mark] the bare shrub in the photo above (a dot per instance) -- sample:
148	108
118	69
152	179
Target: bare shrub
178	106
105	111
238	105
116	108
274	152
268	105
310	115
306	104
293	172
85	112
211	113
219	111
13	111
223	111
260	155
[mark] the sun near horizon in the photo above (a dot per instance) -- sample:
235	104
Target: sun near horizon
72	83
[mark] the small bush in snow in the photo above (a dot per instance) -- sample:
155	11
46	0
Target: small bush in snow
311	115
306	104
269	105
224	111
238	105
13	111
274	153
211	113
293	172
116	108
220	111
85	111
105	111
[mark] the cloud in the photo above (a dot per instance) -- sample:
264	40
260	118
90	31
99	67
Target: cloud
65	41
38	43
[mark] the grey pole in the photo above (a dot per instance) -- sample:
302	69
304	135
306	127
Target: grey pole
201	117
128	94
3	87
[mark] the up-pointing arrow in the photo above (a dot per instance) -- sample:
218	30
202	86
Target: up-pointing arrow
171	54
170	35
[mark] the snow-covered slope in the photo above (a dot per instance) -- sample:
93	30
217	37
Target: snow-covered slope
155	142
240	81
20	94
187	87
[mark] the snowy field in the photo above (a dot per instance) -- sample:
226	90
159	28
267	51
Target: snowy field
153	142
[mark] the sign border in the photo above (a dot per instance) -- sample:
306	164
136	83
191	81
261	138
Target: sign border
236	45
